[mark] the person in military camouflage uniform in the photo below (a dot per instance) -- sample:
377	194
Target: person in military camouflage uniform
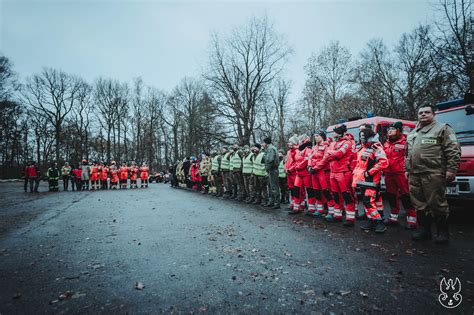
271	166
225	167
433	156
247	173
260	175
180	174
237	179
53	177
217	174
205	171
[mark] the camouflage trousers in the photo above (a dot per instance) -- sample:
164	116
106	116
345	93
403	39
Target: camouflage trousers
428	193
249	185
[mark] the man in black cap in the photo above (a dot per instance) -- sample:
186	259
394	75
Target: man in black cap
271	166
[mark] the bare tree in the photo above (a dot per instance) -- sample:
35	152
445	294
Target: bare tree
52	94
242	66
279	96
455	41
328	80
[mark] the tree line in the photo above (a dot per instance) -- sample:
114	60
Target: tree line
242	95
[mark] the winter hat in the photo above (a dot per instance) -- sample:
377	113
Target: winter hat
398	125
304	138
267	140
322	133
258	145
340	129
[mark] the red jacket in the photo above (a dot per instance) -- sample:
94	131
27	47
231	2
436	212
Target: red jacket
144	172
77	172
123	173
367	155
318	153
194	172
32	171
134	173
395	152
290	160
302	158
339	155
104	173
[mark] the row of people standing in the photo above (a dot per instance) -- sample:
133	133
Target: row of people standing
89	176
329	178
247	174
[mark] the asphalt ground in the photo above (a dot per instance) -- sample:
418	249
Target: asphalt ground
165	250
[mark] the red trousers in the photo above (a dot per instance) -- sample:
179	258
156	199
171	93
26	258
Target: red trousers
342	192
397	188
321	182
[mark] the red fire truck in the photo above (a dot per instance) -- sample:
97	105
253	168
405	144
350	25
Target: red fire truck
459	114
379	125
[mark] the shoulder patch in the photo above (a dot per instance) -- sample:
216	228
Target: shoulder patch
399	146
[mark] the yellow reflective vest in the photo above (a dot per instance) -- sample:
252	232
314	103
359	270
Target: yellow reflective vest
259	166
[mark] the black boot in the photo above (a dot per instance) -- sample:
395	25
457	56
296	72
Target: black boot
423	233
442	230
368	225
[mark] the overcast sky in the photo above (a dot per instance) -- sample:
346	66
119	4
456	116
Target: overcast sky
164	41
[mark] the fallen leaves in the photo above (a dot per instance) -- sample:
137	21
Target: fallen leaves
363	294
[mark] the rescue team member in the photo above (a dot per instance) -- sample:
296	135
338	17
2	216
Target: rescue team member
282	177
320	174
133	175
123	174
104	174
94	176
144	175
271	167
33	174
24	173
291	171
76	178
433	156
303	178
371	160
85	168
114	176
53	177
339	154
194	173
395	180
66	174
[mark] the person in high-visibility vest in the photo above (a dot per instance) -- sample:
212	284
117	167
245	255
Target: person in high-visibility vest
204	170
225	167
237	179
282	177
247	173
261	175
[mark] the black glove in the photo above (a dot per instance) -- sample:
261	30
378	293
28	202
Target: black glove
311	170
368	177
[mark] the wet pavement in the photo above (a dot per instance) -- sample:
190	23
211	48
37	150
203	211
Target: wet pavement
165	250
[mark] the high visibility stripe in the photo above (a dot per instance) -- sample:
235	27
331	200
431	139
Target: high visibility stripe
311	207
393	216
320	208
331	210
350	215
411	219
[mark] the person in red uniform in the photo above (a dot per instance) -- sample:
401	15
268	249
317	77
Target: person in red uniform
290	170
104	175
339	155
320	174
33	174
303	178
144	175
371	161
133	175
94	176
114	176
123	174
194	173
395	180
